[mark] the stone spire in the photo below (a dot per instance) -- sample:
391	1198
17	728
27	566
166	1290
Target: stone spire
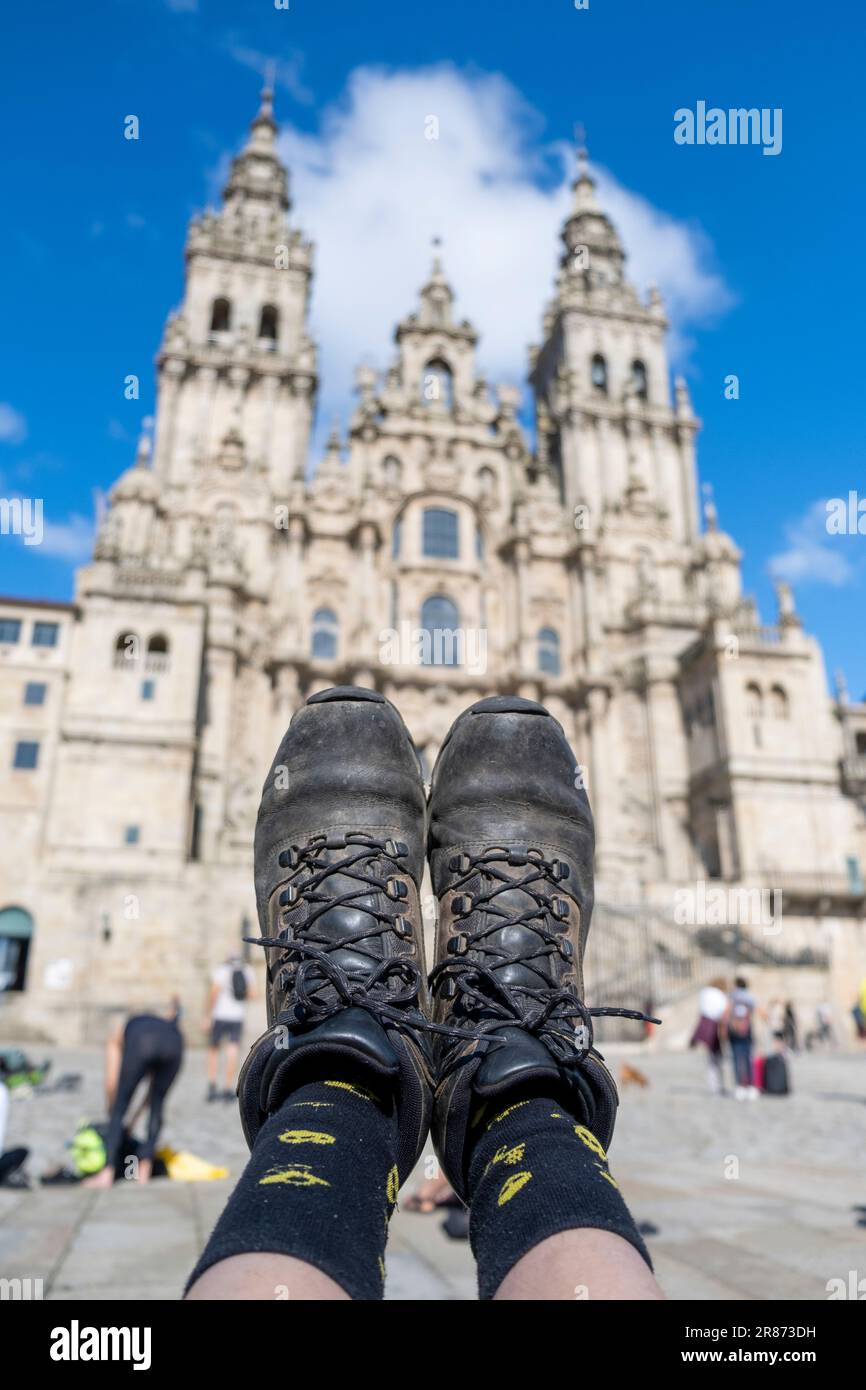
436	311
437	296
258	177
591	241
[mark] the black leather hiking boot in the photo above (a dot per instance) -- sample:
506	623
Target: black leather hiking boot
510	847
339	854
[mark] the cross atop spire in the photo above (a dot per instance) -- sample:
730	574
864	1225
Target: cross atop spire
582	153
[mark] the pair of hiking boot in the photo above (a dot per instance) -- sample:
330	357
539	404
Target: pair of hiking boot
342	835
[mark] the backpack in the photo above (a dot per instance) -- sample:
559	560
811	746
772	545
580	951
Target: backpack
776	1076
87	1150
239	983
740	1020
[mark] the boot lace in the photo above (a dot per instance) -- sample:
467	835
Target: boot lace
322	987
548	1010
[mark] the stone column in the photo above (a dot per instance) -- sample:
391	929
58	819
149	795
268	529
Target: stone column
170	379
525	660
600	770
591	615
668	761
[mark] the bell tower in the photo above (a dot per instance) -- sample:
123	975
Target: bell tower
236	361
607	427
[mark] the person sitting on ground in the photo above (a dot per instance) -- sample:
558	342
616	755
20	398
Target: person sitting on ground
11	1160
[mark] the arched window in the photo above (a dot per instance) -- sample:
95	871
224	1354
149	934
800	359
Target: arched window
392	471
440	623
221	316
639	379
440	536
778	703
127	650
324	643
268	322
16	933
548	651
396	537
486	484
598	373
754	701
437	384
156	658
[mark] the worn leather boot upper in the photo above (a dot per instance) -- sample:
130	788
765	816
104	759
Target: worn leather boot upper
511	847
339	855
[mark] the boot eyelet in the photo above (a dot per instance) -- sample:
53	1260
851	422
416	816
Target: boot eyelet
288	858
460	864
518	857
560	870
396	888
559	908
461	905
458	945
395	849
289	896
449	988
403	928
335	842
566	950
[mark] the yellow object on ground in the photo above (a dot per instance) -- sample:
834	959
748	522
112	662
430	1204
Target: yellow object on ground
185	1167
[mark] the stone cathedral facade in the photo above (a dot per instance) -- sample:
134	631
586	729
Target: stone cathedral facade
435	554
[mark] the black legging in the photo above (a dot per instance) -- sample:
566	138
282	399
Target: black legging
152	1047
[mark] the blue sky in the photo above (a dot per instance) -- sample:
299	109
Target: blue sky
759	257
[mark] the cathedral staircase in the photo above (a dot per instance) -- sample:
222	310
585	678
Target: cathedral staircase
638	957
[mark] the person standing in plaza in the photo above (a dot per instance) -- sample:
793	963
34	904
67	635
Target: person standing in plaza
742	1007
712	1006
232	988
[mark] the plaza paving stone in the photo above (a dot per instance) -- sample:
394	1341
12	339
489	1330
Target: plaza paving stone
780	1228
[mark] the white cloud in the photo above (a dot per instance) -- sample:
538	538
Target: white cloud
70	540
813	556
13	426
372	191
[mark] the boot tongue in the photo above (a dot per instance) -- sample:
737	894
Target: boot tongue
353	1034
524	1062
519	1058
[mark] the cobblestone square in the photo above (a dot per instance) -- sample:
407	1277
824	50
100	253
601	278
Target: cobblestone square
752	1200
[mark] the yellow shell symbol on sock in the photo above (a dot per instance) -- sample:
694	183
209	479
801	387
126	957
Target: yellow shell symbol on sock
306	1136
587	1137
512	1186
392	1186
301	1175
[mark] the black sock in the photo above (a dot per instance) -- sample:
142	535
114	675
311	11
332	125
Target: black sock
320	1184
535	1172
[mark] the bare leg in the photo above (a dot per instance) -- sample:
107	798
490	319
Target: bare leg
584	1264
213	1057
265	1276
231	1065
101	1180
113	1055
